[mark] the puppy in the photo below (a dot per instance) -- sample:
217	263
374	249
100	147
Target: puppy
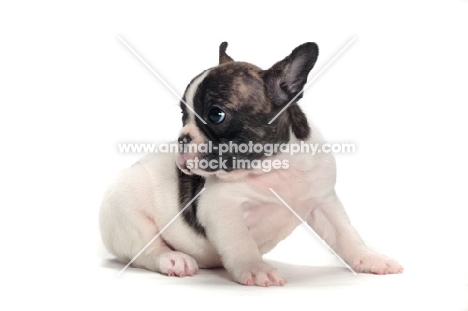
236	218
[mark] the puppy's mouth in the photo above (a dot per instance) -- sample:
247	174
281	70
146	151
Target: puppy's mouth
181	161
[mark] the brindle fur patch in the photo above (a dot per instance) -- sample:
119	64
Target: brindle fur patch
189	187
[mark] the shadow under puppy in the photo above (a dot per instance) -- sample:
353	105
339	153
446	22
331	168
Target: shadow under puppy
236	218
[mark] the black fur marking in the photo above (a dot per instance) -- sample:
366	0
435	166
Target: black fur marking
298	120
189	187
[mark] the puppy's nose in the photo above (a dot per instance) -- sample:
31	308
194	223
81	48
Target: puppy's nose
183	141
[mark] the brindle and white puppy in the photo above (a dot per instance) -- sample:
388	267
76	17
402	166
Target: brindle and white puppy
237	218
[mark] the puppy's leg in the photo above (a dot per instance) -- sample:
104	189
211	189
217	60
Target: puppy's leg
226	230
160	258
127	227
329	220
133	235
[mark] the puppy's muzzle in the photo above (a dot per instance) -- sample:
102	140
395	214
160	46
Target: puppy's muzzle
184	140
184	154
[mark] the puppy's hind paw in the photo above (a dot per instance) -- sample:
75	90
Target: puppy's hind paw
177	264
377	264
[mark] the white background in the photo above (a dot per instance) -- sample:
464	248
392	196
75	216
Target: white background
70	92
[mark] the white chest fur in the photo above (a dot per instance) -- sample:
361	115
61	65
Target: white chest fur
268	220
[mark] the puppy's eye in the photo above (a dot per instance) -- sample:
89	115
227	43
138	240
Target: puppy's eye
216	115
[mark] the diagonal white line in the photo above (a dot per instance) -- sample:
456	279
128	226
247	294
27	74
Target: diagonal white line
312	230
313	79
161	231
160	79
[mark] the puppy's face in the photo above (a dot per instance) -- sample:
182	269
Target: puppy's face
231	105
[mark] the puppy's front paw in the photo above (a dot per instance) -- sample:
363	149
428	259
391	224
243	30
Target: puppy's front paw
260	274
178	264
371	262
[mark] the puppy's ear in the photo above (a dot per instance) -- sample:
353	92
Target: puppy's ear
223	57
287	78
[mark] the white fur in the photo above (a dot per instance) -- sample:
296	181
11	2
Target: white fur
190	93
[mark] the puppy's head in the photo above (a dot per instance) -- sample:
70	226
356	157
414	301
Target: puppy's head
233	103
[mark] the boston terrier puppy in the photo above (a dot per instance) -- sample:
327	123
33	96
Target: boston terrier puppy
236	216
